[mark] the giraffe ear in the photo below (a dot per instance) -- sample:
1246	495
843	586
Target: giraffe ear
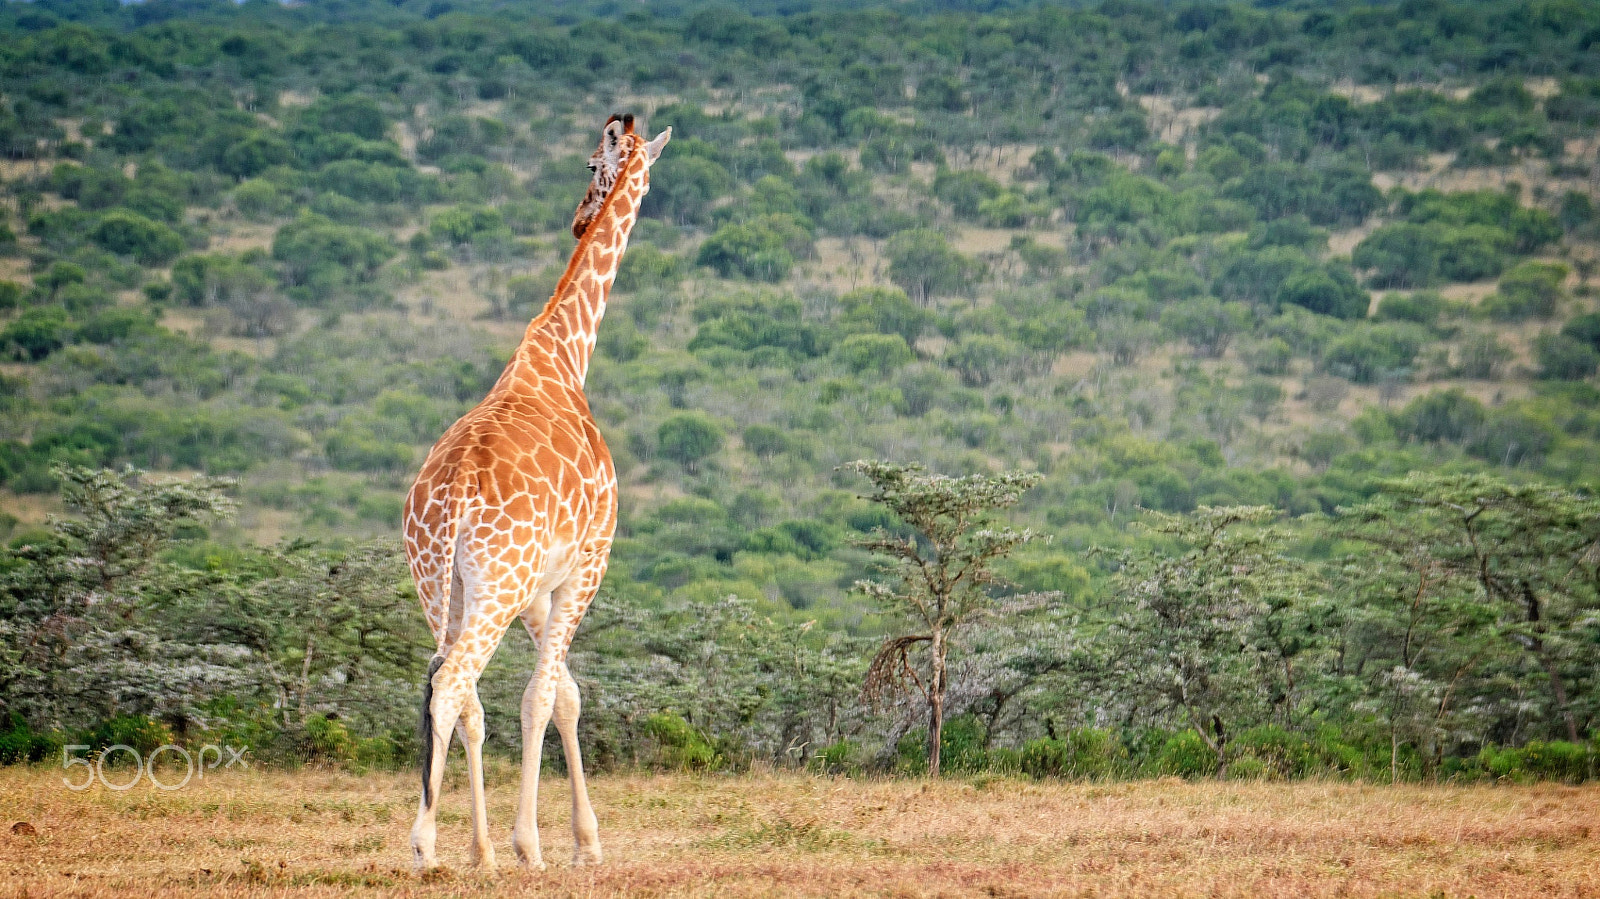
653	148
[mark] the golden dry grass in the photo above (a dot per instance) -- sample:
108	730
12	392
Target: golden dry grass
336	834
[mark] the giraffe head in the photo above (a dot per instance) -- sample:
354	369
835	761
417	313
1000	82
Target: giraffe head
618	145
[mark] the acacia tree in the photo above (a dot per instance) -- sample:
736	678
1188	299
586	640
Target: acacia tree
940	569
83	632
1205	633
1532	551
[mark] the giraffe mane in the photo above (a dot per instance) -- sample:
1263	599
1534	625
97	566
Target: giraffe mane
586	234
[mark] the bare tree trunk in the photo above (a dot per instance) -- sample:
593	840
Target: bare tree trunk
936	704
1559	689
1531	603
1394	756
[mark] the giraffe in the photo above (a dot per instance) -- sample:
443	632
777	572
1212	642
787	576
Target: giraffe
512	517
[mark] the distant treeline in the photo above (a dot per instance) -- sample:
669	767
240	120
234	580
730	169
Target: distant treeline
1453	636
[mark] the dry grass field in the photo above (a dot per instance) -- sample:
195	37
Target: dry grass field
339	834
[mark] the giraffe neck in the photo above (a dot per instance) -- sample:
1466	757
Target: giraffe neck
563	335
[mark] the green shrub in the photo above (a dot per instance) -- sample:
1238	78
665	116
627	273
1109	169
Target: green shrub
1446	416
1558	760
1275	752
688	439
131	234
1531	290
138	731
763	249
1584	327
961	745
1422	307
1562	358
1247	769
965	191
38	332
1186	755
680	746
1501	764
911	753
328	740
1085	752
1481	354
1402	254
1270	356
878	354
645	266
20	743
1372	352
843	757
1328	291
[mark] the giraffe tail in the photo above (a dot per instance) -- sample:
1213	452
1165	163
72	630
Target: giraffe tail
427	732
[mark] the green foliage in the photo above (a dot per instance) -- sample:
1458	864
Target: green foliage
923	265
1422	307
1231	586
1185	754
877	354
1207	324
689	438
1268	357
685	184
131	234
883	311
646	266
752	322
763	248
1448	416
1531	290
1482	354
19	744
965	191
38	332
1086	752
1584	328
138	731
1328	291
1372	352
319	256
1564	358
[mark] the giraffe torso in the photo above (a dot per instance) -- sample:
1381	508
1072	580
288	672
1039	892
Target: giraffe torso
520	494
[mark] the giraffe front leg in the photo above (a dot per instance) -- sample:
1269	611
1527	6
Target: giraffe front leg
538	704
585	829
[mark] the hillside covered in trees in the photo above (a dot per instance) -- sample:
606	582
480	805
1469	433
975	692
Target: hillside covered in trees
1170	258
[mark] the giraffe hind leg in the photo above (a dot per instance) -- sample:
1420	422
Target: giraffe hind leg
426	731
454	701
455	611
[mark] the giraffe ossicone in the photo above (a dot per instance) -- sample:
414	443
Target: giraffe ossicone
512	518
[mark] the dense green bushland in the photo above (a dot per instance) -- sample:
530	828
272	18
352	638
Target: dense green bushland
1166	258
